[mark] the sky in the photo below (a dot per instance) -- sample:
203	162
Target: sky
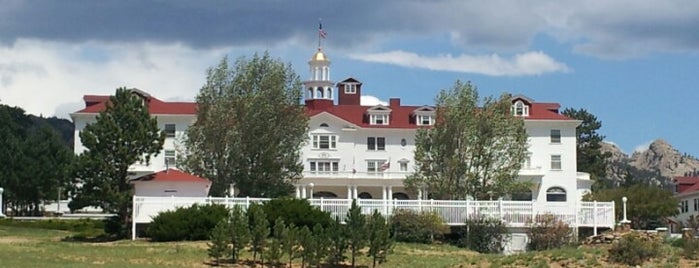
632	63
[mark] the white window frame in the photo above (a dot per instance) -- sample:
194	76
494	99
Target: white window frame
556	162
376	146
350	88
403	166
170	133
519	108
317	141
555	136
425	120
553	192
379	119
323	166
374	166
170	158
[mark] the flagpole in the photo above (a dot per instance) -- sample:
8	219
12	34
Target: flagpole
320	28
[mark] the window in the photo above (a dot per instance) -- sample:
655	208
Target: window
696	204
376	166
556	162
378	119
376	143
403	142
170	130
527	161
684	206
522	196
324	166
425	120
555	194
350	88
404	166
520	109
321	141
555	136
170	158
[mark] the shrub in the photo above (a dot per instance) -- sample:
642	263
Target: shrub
635	248
189	223
298	212
547	232
417	227
484	235
690	248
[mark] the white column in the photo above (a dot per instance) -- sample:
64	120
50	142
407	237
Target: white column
1	207
383	192
298	191
419	194
349	192
303	191
390	192
355	193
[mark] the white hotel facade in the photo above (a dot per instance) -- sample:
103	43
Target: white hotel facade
366	152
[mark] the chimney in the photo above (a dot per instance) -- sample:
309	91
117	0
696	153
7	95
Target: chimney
394	102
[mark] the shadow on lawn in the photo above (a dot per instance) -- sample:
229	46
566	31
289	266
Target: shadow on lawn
90	239
250	263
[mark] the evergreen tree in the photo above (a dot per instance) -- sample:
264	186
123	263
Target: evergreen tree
239	232
590	158
290	242
319	245
218	247
275	251
249	129
337	243
259	231
471	150
305	240
356	230
122	135
380	242
647	205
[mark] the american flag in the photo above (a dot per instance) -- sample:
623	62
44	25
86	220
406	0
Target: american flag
385	166
320	30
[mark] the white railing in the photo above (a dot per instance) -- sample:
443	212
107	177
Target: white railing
454	212
356	175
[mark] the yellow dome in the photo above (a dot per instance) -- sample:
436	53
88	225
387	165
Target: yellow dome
319	56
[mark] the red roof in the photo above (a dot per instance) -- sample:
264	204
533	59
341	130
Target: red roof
98	103
171	175
686	184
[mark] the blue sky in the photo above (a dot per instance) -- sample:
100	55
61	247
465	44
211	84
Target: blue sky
631	63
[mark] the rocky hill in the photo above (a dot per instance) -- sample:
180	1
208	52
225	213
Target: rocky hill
656	165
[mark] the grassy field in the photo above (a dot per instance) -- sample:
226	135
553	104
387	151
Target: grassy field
33	247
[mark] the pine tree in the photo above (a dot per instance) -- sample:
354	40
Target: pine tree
259	231
356	230
320	245
380	242
290	242
305	240
219	246
337	243
275	251
239	232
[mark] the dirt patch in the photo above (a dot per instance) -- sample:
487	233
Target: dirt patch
13	239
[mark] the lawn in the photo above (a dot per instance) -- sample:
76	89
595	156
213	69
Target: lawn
35	247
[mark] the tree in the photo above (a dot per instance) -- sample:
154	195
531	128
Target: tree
470	151
337	242
123	134
219	241
239	232
249	129
290	242
275	250
259	231
646	207
356	230
380	242
590	158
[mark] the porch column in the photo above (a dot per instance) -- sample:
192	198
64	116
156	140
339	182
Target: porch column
303	191
383	192
390	192
355	193
298	191
419	194
349	192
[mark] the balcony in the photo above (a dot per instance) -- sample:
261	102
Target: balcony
531	172
394	175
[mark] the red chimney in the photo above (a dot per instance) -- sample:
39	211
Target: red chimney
394	102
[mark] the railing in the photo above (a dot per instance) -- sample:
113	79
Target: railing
454	212
356	175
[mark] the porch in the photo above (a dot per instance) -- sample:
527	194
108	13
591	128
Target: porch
515	214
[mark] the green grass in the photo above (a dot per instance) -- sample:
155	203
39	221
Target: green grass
22	246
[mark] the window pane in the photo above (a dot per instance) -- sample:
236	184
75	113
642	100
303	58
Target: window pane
556	162
170	130
324	142
380	143
371	166
555	136
371	143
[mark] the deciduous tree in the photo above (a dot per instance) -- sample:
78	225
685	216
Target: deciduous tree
122	135
249	129
472	150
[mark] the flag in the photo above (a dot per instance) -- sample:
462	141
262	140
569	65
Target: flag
385	166
320	30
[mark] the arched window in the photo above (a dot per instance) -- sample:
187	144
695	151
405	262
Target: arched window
323	125
310	93
364	195
319	93
330	93
324	194
400	196
520	109
556	194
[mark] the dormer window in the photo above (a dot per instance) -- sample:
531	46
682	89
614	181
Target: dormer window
520	109
424	116
350	88
425	120
378	119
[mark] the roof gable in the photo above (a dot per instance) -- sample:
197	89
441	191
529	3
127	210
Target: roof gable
170	175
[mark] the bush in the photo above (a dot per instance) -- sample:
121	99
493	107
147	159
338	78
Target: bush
417	227
547	232
635	248
190	223
484	235
690	248
80	225
298	212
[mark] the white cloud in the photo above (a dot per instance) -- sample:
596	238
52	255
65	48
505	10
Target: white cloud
642	147
50	78
368	100
529	63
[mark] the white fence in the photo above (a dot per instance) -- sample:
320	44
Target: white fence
454	212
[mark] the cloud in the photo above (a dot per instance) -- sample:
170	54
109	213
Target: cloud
50	77
368	100
642	147
529	63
